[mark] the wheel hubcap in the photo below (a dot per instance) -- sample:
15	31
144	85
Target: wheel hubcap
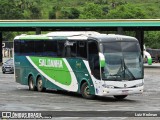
40	84
31	83
86	90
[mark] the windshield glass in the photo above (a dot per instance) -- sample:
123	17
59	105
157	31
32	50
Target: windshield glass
10	61
123	61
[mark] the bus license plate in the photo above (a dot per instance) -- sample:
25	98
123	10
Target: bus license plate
125	91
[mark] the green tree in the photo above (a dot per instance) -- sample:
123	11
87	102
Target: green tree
92	11
127	11
64	13
9	10
35	12
32	9
152	39
74	13
52	13
101	1
57	7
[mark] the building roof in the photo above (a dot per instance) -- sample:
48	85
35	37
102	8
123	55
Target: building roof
79	23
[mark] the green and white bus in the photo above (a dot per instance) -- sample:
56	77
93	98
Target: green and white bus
88	63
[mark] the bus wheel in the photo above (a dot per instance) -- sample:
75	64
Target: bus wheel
120	97
40	85
31	85
86	92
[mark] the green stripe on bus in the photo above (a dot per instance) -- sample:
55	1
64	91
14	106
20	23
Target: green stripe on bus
54	68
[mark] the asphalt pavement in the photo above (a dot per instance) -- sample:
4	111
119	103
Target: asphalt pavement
16	97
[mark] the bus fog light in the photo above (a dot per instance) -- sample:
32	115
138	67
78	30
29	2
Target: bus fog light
141	90
105	91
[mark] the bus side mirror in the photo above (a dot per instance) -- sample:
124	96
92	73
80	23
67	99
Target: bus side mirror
102	60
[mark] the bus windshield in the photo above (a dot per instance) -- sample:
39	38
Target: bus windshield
123	61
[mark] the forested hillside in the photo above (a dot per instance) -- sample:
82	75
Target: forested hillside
84	9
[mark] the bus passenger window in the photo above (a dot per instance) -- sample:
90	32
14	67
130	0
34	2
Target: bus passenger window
39	46
70	49
27	47
50	48
22	47
74	49
81	49
61	48
17	46
30	47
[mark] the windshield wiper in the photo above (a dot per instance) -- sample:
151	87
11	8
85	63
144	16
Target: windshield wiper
130	73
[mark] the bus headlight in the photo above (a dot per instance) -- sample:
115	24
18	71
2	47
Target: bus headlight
139	85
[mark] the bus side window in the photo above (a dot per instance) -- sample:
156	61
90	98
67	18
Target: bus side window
27	47
61	48
74	49
67	51
22	47
82	49
50	48
17	46
39	47
70	49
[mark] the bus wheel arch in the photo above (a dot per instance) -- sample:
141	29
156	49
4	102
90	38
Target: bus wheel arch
82	82
85	90
31	83
40	83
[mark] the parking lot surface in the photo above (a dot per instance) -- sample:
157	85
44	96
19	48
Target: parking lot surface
16	97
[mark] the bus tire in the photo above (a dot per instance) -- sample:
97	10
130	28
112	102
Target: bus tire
40	87
85	91
31	84
120	97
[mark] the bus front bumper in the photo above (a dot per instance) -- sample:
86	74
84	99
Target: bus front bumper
122	91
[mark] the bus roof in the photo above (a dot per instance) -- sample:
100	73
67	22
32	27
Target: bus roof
26	37
77	35
113	37
73	33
